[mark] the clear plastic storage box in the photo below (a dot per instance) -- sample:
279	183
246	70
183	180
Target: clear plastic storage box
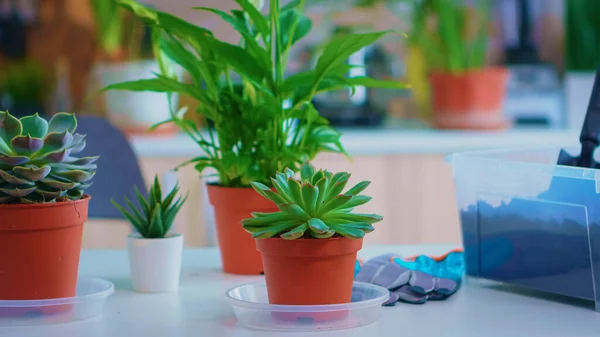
528	221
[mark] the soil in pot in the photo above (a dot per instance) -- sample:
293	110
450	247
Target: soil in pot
471	100
309	272
238	248
40	246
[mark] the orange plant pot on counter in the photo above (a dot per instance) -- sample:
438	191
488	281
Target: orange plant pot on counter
238	249
471	100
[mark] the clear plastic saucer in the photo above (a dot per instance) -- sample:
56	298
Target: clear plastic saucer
89	302
251	306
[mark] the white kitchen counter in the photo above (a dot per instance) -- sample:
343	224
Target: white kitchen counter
200	310
390	141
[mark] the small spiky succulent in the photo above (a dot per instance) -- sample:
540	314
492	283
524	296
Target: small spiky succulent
158	214
313	207
36	159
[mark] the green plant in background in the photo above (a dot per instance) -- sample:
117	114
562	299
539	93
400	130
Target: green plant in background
582	35
36	159
314	207
263	121
451	34
119	35
25	82
157	215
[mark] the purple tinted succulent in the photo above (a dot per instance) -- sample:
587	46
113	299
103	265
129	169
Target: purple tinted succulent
36	159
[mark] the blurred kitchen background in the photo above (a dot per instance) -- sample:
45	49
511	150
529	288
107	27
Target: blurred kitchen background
56	54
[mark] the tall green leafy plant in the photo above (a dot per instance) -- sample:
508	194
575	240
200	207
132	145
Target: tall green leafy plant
582	35
451	34
263	120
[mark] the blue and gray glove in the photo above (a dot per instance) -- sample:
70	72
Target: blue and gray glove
414	280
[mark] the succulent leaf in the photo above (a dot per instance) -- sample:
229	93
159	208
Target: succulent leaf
62	122
154	216
10	127
34	126
55	142
48	195
17	192
315	207
26	144
59	185
13	160
74	175
12	179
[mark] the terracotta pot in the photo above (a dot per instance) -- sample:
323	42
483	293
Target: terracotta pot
309	272
472	100
238	249
39	249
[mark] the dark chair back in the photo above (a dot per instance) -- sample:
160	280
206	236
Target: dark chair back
118	167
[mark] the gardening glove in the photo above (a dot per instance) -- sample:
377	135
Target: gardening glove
414	280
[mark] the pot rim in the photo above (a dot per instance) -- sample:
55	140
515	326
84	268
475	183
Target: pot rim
309	308
85	198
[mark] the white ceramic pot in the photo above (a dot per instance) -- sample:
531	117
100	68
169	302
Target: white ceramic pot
134	111
155	264
578	89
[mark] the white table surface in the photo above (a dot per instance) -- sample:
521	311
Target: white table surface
198	309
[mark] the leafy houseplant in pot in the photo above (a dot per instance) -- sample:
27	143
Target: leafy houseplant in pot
42	205
126	54
261	121
154	253
309	246
452	37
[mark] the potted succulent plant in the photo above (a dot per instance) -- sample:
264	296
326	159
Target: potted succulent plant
154	253
452	36
42	205
261	121
127	54
309	245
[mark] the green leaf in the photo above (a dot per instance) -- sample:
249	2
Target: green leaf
361	186
289	19
316	177
10	127
322	187
341	48
59	185
369	82
32	172
263	220
62	122
26	144
143	202
306	172
54	142
160	84
139	226
34	125
309	197
165	204
349	232
336	203
237	58
48	195
180	55
74	175
156	230
295	233
357	201
338	182
18	192
265	233
260	22
295	211
10	178
281	185
13	160
353	217
325	235
295	192
318	226
171	213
